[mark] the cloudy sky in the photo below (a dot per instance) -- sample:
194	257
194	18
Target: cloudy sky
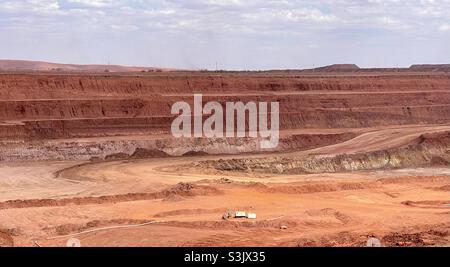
238	34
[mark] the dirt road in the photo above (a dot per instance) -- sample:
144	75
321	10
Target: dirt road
401	207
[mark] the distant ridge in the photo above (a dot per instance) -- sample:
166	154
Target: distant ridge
25	65
430	67
338	67
28	65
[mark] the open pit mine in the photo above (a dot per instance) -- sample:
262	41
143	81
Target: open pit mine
89	156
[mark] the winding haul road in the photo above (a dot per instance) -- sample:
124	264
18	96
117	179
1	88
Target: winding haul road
76	179
324	209
162	172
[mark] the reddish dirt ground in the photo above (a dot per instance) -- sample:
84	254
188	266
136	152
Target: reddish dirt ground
90	156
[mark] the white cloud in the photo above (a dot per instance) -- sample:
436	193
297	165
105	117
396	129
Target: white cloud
37	6
124	27
250	25
444	27
305	14
294	16
92	3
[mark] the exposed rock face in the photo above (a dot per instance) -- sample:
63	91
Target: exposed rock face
64	86
427	150
44	116
62	106
116	149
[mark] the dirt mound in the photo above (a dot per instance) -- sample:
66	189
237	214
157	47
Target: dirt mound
431	235
117	156
66	229
414	179
191	190
187	212
235	224
316	188
443	188
174	198
181	189
428	204
338	67
341	239
141	153
224	181
436	236
195	153
6	239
